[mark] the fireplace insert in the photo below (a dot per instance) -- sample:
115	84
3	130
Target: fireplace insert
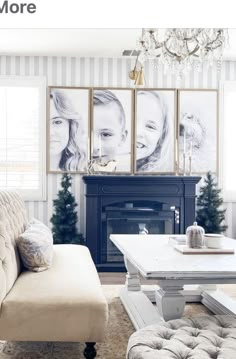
137	217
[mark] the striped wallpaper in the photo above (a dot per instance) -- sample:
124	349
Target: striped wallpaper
104	72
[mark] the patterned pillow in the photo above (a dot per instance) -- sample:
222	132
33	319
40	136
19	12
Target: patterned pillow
36	246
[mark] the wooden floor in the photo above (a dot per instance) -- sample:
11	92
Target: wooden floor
108	278
112	278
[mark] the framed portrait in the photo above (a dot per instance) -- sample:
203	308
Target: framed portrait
198	131
68	129
154	138
111	130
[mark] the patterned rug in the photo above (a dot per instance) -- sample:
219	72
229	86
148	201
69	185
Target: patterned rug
118	333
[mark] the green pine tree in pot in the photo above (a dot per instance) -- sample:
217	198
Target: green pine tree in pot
65	217
210	214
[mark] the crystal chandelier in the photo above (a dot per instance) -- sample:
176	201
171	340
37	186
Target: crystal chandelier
179	50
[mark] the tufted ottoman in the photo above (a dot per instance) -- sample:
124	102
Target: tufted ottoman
202	337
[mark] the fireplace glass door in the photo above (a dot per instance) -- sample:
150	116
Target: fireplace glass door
134	218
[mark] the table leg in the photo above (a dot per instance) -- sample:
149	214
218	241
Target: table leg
170	302
132	277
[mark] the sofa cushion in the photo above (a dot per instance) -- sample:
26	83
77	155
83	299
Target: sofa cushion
36	246
13	221
64	303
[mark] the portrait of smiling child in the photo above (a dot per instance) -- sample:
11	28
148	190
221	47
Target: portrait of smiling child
154	132
109	131
65	134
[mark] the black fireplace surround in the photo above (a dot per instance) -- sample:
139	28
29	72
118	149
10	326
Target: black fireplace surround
134	204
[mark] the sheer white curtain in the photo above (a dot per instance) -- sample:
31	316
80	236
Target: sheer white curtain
22	136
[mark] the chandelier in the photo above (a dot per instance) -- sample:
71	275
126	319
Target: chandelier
179	50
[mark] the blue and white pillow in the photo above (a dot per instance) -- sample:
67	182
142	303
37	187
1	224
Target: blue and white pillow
35	246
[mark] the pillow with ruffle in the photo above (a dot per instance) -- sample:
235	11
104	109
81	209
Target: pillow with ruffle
35	246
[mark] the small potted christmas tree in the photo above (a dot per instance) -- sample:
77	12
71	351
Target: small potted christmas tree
64	219
210	214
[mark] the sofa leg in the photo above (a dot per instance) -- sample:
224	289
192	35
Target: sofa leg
90	351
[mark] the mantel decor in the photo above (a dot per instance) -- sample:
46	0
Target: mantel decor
132	131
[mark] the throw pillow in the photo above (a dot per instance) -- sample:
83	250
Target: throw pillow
35	246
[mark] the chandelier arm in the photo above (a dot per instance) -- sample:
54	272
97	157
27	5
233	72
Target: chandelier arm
187	38
209	45
174	54
156	43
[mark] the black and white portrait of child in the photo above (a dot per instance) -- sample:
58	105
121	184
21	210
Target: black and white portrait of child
111	130
154	138
198	130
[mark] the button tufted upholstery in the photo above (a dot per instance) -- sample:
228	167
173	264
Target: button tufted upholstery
63	303
13	222
202	337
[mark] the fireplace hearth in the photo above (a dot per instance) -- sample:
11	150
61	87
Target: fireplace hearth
134	205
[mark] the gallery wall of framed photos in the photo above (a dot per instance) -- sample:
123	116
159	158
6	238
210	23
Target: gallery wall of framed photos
132	131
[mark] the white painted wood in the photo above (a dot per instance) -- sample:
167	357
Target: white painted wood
139	308
191	293
132	277
218	302
170	302
154	257
207	287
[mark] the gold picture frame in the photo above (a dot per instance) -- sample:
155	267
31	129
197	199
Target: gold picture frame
198	124
68	129
112	112
155	131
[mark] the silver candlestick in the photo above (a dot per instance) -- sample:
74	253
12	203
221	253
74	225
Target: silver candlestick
184	164
190	165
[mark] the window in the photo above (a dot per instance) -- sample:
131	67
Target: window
228	142
22	136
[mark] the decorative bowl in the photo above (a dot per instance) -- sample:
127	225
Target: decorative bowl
213	240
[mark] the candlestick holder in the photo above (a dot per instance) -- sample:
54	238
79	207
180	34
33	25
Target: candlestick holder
190	164
184	164
176	168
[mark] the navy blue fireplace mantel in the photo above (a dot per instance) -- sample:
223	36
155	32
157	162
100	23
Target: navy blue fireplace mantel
104	192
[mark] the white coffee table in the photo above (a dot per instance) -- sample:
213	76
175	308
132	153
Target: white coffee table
154	257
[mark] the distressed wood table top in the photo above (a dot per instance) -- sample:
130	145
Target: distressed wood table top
155	257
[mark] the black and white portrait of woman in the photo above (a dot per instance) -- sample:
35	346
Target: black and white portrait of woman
68	129
111	130
198	123
155	131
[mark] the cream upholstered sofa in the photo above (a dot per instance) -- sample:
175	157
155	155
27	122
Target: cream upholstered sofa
63	303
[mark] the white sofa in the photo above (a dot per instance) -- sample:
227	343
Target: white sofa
63	303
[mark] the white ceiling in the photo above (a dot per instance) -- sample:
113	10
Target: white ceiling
78	42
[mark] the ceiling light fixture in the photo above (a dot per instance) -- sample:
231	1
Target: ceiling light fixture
180	50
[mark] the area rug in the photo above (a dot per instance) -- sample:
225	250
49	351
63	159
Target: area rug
119	330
